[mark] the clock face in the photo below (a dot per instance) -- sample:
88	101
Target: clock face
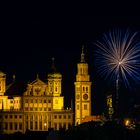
85	96
78	96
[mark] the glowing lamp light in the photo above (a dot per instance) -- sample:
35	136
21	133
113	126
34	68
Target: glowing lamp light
127	122
45	124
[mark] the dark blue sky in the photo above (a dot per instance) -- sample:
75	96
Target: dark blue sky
30	39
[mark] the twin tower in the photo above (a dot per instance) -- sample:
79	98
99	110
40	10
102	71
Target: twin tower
82	91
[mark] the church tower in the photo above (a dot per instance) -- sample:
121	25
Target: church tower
54	81
82	91
54	87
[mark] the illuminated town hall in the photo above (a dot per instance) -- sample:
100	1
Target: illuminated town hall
40	105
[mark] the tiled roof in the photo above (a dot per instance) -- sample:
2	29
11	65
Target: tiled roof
16	88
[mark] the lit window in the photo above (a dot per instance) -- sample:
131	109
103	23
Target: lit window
77	107
35	125
31	117
56	89
26	125
86	89
83	89
31	125
40	125
85	107
11	101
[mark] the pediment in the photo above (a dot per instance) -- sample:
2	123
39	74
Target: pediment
37	82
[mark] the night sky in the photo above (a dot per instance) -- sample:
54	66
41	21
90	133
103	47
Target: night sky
29	40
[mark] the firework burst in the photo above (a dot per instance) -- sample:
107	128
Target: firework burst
118	54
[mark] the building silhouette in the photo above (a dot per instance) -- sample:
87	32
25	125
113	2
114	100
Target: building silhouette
36	106
39	105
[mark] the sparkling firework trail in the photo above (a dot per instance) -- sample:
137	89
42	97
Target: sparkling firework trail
118	54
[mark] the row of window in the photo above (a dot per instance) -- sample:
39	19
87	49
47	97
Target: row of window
39	125
61	125
37	109
84	89
13	116
12	126
61	116
40	117
36	93
36	117
85	107
14	101
37	101
83	70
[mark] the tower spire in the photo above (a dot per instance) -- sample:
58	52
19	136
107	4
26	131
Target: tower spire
37	76
53	65
82	55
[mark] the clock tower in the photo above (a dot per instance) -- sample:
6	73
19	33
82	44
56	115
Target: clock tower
82	91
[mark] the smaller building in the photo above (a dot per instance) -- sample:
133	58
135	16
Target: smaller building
110	109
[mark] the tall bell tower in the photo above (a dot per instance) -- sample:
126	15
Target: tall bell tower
82	91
